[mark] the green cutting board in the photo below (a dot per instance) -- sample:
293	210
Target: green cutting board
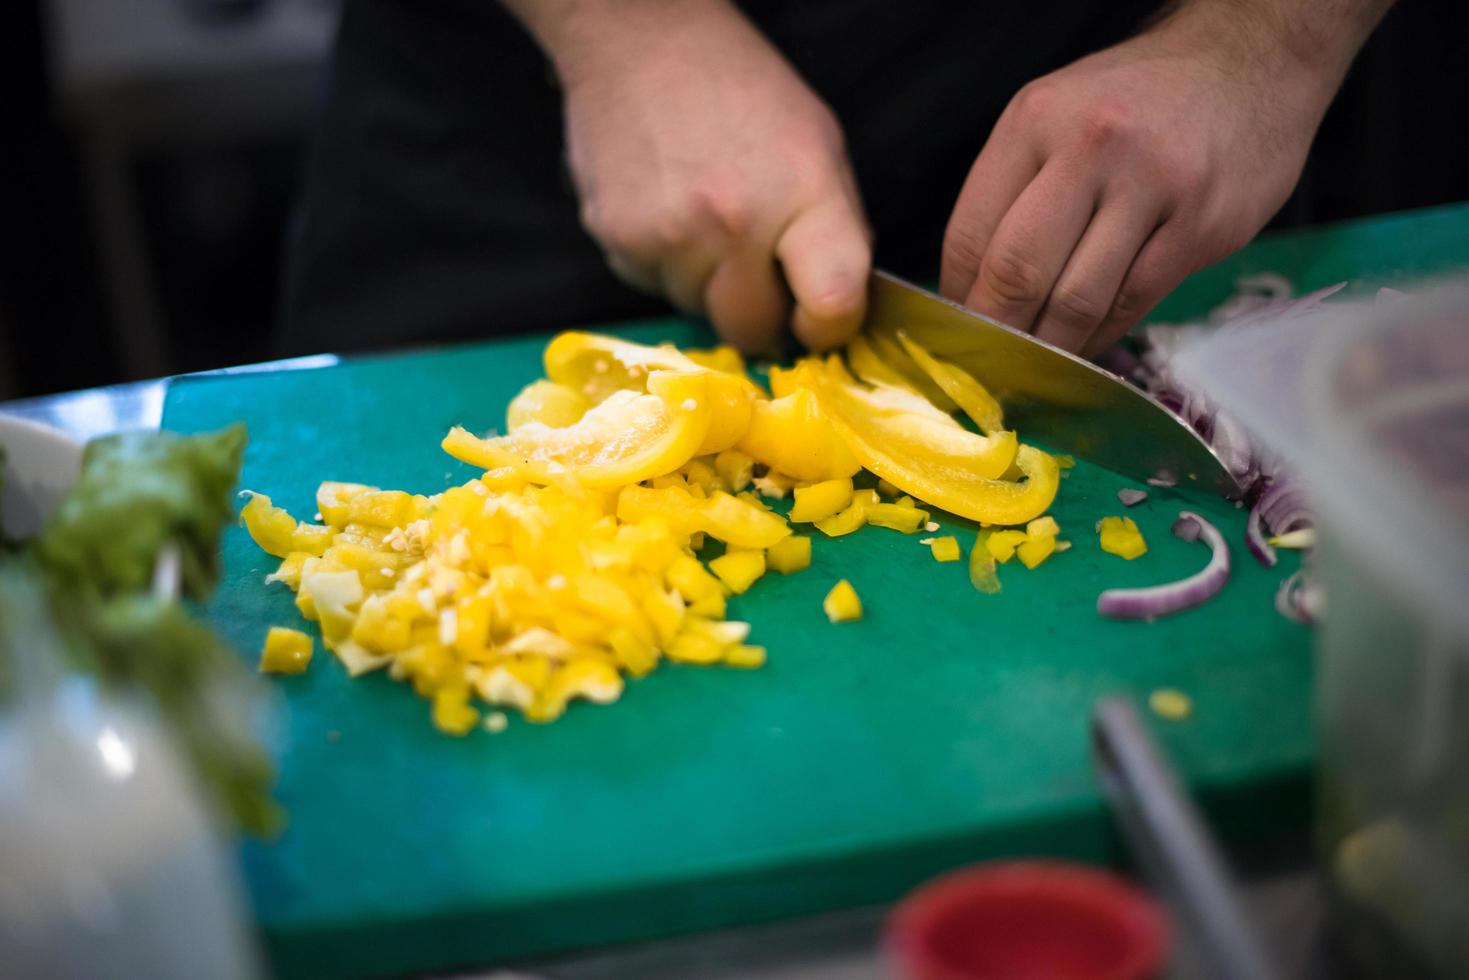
946	726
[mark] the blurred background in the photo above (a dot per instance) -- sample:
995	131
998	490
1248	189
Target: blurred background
155	146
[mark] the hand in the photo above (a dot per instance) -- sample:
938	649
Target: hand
710	174
1104	184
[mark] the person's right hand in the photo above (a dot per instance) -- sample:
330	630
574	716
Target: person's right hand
709	172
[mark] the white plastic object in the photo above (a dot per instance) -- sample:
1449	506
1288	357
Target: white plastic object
1368	402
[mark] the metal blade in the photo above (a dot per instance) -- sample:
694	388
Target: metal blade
1067	402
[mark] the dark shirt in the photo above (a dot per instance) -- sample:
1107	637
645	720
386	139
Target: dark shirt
438	207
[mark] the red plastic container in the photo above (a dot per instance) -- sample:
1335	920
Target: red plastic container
1029	920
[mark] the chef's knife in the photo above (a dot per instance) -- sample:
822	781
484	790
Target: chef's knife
1066	402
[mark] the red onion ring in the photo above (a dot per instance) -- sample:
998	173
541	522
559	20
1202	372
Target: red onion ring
1160	600
1255	539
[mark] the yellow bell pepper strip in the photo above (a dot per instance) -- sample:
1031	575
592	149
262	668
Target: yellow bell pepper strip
842	605
896	517
270	527
625	439
789	555
982	565
286	651
948	468
818	501
943	549
1002	544
736	522
1121	537
869	367
886	348
600	366
720	358
547	402
738	570
850	519
791	436
960	385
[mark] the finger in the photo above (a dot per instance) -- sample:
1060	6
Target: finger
685	274
826	257
1162	263
642	276
747	301
1030	247
1002	170
1083	294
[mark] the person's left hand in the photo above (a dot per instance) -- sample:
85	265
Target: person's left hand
1104	184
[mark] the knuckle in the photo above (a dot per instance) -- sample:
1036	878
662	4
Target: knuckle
1133	300
729	209
962	253
1035	99
1105	125
1013	278
1076	307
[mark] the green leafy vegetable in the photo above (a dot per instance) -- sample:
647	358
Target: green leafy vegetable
137	493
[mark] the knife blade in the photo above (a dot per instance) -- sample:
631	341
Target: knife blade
1067	402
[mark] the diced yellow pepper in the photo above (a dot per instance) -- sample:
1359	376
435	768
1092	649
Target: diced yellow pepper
945	548
692	648
313	539
735	468
745	656
1170	704
841	604
789	555
1120	536
1002	544
739	569
818	501
271	527
732	520
1042	527
452	713
691	580
1033	551
332	499
286	651
593	680
289	570
381	508
632	654
710	604
701	473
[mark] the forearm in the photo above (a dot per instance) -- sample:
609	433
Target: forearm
1307	40
581	36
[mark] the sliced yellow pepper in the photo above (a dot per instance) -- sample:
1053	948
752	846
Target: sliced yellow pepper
271	527
547	402
960	385
818	501
744	656
1033	551
908	520
625	439
946	467
891	353
735	468
1120	536
982	565
791	436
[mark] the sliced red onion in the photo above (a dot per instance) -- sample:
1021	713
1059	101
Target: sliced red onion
1131	497
1162	478
1299	599
1255	539
1160	600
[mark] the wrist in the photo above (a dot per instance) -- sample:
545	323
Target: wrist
1302	47
584	38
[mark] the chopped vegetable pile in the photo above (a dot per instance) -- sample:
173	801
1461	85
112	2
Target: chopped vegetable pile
573	561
